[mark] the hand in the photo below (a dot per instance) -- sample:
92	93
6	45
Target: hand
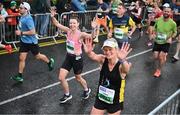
18	32
87	43
152	35
53	12
94	23
124	51
169	40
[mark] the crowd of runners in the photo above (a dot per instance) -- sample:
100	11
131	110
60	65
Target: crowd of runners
120	23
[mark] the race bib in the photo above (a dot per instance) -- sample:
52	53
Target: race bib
161	36
106	95
78	57
70	47
118	33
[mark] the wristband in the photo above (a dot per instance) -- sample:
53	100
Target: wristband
122	61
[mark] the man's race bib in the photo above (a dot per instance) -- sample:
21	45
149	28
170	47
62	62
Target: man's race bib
106	95
118	33
70	47
161	36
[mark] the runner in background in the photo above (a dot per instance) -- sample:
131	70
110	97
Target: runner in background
28	41
165	30
119	25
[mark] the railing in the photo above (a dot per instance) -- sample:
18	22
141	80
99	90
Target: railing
170	106
2	31
85	19
43	25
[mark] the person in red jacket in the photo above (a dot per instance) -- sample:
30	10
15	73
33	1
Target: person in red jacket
13	14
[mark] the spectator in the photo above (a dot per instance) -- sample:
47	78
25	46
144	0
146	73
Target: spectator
63	6
101	17
3	13
136	15
8	48
176	17
41	7
114	6
78	5
13	13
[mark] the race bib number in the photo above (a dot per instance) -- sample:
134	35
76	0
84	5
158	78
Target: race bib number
106	95
70	47
118	33
161	36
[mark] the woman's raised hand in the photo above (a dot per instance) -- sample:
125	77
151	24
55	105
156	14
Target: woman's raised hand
53	11
87	43
124	51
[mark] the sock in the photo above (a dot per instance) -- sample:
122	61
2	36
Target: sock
67	94
86	89
140	29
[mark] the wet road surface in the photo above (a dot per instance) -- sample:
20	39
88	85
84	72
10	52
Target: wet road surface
41	90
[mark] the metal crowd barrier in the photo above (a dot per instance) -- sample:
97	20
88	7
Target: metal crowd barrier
85	19
44	26
2	32
170	106
44	29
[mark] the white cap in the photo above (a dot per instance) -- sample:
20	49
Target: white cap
166	5
110	43
25	5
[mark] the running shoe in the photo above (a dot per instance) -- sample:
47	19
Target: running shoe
149	44
86	94
17	78
51	64
8	48
173	60
65	98
157	73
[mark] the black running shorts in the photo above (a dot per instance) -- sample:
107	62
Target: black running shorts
73	61
110	108
161	47
34	48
